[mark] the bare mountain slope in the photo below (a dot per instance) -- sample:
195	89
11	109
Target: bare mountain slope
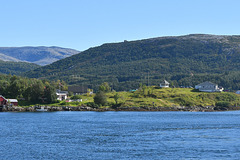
38	55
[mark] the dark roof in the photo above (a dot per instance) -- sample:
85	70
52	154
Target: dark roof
206	83
61	92
77	89
164	82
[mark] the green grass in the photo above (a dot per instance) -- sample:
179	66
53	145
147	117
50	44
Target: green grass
167	97
160	97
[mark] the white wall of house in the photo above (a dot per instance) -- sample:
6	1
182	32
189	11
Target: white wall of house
238	92
164	84
208	87
61	97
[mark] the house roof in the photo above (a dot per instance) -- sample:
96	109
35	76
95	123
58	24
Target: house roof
78	89
2	97
206	83
165	82
61	92
10	100
13	100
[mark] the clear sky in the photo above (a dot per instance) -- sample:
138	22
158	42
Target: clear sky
81	24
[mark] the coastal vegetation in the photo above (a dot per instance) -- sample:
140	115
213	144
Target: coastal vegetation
169	97
155	97
29	91
32	92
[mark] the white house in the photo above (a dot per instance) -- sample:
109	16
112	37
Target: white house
164	84
61	95
208	87
238	92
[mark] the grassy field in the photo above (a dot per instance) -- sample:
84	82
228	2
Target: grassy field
161	97
167	97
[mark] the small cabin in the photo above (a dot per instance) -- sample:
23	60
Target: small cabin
13	102
164	84
4	101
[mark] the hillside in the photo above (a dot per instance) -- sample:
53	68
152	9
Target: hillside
170	97
16	68
183	60
37	55
153	99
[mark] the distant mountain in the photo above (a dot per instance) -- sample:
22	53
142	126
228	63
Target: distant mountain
38	55
182	60
16	68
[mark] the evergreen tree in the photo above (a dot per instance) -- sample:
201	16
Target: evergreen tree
116	98
100	98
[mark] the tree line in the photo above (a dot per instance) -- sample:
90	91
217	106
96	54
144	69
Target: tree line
31	90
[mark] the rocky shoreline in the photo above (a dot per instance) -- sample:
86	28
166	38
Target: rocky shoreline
86	108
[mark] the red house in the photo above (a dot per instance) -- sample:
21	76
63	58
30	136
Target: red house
13	102
4	101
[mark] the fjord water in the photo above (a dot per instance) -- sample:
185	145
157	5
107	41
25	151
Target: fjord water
120	135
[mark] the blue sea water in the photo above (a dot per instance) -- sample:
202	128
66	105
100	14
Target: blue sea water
120	135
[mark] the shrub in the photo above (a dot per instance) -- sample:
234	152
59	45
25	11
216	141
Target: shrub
226	97
184	101
223	104
92	104
63	103
100	98
76	97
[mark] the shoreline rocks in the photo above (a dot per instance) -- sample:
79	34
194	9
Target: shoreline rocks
87	108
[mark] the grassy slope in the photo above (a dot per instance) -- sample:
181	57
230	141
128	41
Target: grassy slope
168	97
165	97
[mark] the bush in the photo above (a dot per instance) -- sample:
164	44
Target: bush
63	103
184	101
195	90
76	97
92	104
226	97
223	104
75	103
100	98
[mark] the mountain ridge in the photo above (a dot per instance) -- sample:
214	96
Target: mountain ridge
40	55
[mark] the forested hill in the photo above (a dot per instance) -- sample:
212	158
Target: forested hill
38	55
16	68
183	60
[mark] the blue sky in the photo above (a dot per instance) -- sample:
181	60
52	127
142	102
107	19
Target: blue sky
81	24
